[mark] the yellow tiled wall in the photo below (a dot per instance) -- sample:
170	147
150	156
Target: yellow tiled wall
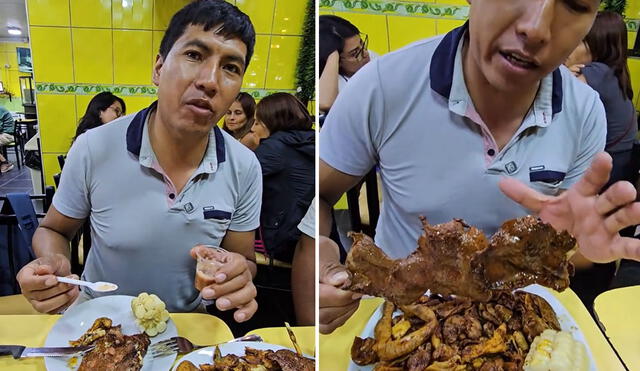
9	75
77	44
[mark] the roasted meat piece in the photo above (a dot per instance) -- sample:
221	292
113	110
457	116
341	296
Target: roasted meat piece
115	351
453	258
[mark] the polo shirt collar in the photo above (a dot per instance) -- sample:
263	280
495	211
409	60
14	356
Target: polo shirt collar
138	143
447	79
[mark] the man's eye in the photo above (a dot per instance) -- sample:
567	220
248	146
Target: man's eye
193	55
232	67
577	6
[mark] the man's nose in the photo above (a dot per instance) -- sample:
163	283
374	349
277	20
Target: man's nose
534	25
207	79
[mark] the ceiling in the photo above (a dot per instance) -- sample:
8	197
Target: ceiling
13	13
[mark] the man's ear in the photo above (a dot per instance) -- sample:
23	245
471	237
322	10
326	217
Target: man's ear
156	69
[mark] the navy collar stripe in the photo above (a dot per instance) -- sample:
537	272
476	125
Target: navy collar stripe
136	130
443	62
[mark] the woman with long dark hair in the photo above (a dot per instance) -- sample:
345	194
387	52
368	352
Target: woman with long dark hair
103	108
601	62
240	117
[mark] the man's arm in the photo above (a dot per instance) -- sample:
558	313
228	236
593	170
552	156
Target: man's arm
243	244
54	234
329	82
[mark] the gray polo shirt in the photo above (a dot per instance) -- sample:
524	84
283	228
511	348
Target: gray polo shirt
141	228
410	113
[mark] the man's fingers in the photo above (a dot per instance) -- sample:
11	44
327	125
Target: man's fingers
522	194
619	194
237	298
41	295
623	218
236	264
59	301
216	290
246	311
331	296
596	176
332	324
629	249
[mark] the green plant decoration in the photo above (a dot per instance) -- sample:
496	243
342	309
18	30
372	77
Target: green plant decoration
617	6
306	68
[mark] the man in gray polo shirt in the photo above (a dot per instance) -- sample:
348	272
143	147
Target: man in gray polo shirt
159	182
463	125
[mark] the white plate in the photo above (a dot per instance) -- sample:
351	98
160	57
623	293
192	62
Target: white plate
205	355
78	319
566	324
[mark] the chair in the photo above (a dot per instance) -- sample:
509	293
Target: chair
17	145
61	160
370	181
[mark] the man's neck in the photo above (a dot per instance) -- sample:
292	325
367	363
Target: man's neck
502	111
176	152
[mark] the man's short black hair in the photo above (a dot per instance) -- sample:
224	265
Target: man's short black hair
210	13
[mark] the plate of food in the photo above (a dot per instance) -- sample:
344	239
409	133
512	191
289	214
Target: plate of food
484	307
120	327
245	356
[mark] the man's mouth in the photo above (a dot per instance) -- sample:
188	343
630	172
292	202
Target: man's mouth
200	105
519	60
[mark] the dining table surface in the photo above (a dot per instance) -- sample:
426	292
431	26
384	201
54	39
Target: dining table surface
617	312
335	348
31	330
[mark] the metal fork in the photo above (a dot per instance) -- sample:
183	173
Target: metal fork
182	345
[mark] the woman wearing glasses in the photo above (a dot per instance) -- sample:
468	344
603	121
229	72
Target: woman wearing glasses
343	51
103	108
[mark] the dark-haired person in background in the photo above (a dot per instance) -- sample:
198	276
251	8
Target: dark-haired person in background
343	51
240	117
159	182
600	60
287	157
103	108
7	126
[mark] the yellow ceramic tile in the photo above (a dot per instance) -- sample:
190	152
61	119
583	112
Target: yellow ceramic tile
48	12
51	54
445	25
634	70
82	102
260	12
57	121
163	10
131	63
373	25
283	57
451	2
51	167
133	14
633	9
631	37
155	45
256	74
91	13
289	17
138	103
92	56
405	30
322	11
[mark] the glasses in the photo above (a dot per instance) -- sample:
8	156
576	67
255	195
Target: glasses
358	54
115	110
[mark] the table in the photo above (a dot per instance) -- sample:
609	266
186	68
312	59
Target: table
335	348
32	329
617	311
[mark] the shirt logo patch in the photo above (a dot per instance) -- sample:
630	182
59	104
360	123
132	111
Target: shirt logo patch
511	167
210	212
189	207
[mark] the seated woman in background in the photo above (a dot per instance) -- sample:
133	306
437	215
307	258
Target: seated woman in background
601	62
343	51
239	119
287	157
103	108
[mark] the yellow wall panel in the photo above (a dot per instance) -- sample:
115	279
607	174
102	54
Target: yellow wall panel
634	70
163	10
10	76
373	25
133	14
51	167
57	121
405	30
51	54
135	104
282	61
48	12
289	17
443	26
260	12
92	56
129	51
631	38
257	72
82	102
155	46
91	13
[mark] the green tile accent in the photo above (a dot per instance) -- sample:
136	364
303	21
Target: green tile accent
404	8
633	25
124	90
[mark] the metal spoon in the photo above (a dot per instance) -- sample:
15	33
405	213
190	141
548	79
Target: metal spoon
95	286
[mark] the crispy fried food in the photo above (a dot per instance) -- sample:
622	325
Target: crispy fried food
449	333
454	258
113	350
187	366
259	360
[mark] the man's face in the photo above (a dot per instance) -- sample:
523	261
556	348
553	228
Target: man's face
199	79
516	43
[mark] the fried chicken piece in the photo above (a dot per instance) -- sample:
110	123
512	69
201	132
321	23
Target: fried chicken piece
187	366
496	344
115	351
98	329
454	258
420	359
362	351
